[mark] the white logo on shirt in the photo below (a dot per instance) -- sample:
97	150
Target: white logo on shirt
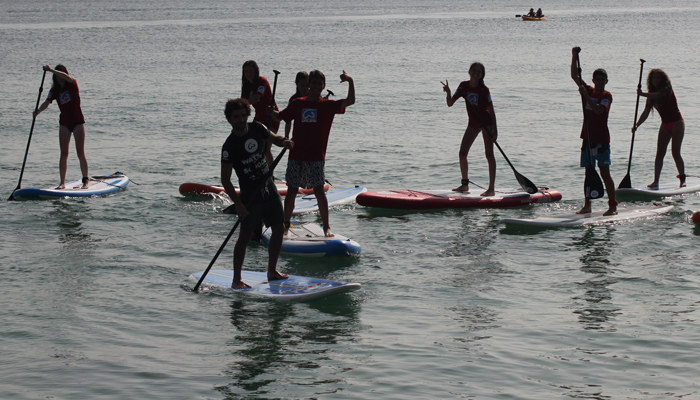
251	145
224	155
64	97
309	115
473	98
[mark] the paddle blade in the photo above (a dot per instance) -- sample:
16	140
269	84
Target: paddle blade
626	183
593	186
526	184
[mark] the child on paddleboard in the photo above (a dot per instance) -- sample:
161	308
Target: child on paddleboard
71	121
598	102
660	96
479	108
302	83
244	151
313	118
256	89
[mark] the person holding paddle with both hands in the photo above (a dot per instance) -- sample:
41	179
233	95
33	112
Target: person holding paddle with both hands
660	96
595	133
244	151
477	94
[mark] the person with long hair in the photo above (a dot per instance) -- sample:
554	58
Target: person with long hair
660	96
478	95
71	121
256	89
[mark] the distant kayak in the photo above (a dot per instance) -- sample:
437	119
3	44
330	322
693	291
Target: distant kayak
526	18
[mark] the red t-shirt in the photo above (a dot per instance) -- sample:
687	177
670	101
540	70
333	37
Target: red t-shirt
480	98
261	106
669	110
68	102
312	126
597	123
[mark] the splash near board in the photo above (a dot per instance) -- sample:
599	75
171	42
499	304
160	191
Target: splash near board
692	185
307	239
293	289
309	204
436	199
97	186
194	189
597	217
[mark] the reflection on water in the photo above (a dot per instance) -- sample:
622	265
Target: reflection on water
595	307
69	217
279	347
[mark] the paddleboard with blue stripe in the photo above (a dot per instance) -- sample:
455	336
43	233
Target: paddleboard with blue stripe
596	217
308	204
97	186
307	239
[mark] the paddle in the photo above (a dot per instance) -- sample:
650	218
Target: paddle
259	188
592	185
626	181
525	183
36	108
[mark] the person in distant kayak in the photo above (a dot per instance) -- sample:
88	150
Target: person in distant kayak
531	13
244	152
256	89
71	121
660	96
302	83
598	102
313	117
478	95
538	14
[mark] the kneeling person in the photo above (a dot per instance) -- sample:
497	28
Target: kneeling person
244	152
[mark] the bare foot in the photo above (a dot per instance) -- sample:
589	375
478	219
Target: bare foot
653	185
584	210
60	187
327	232
276	276
461	188
611	211
489	193
240	285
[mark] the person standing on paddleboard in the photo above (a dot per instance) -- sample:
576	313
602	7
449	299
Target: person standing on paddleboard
477	94
313	117
598	102
660	95
244	152
302	83
71	121
256	89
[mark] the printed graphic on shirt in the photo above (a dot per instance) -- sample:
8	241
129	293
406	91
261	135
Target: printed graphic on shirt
261	89
64	97
605	103
251	145
224	156
309	115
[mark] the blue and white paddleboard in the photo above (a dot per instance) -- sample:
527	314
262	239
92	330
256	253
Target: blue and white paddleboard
692	185
97	186
293	289
307	239
596	217
309	204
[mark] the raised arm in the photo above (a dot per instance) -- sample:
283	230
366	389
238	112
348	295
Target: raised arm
350	100
449	97
60	74
574	65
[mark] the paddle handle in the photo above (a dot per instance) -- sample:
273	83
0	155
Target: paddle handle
636	111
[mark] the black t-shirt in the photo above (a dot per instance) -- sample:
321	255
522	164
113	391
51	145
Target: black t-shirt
247	154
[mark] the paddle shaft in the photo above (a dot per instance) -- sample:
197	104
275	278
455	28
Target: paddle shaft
591	167
31	131
626	179
259	188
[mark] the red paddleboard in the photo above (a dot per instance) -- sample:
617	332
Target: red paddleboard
435	199
189	189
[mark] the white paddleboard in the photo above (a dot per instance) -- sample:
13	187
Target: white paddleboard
97	186
293	289
564	220
692	185
307	239
309	203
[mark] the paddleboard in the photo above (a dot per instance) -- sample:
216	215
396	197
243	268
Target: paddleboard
436	199
193	189
97	186
307	239
692	185
309	204
293	289
597	217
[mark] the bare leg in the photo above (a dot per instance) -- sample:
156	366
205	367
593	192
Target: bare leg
661	145
323	210
488	149
289	200
610	189
586	207
677	140
64	142
467	141
274	253
238	257
79	135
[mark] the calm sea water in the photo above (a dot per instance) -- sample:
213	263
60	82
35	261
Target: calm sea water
95	299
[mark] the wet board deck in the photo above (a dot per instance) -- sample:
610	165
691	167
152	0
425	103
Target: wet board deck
193	189
692	185
596	217
293	289
307	239
98	185
309	204
436	199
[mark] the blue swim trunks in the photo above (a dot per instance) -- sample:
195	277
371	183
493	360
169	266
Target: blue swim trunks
599	151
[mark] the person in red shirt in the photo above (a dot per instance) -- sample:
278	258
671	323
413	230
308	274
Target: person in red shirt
598	102
477	94
660	96
256	89
313	117
302	83
71	121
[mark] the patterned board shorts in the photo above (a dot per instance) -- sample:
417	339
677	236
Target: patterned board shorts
305	174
